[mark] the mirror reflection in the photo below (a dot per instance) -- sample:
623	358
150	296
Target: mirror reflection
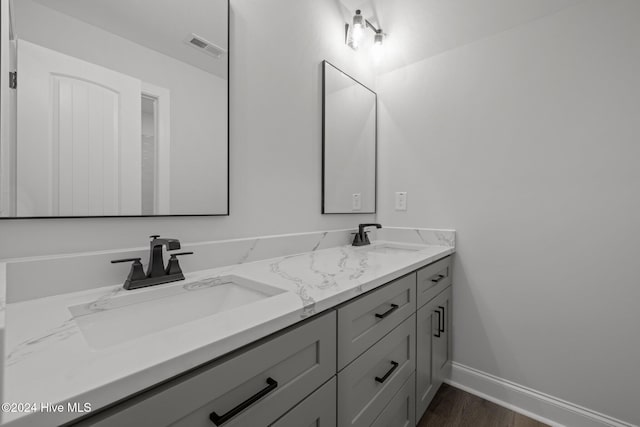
120	109
349	144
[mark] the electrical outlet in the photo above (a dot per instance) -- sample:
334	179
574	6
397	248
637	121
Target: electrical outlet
401	201
356	201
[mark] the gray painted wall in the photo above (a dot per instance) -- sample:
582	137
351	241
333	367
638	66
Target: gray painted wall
527	143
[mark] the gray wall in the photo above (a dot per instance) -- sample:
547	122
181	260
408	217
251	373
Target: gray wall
527	143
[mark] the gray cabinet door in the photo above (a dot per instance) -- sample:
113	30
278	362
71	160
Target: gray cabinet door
441	356
433	349
368	384
299	361
362	322
426	329
400	412
317	410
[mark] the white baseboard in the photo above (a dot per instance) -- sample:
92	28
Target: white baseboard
534	404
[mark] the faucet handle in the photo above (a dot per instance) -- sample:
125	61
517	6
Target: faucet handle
116	261
357	240
366	238
173	267
135	274
154	236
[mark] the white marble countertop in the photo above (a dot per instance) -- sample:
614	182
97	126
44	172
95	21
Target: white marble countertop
49	361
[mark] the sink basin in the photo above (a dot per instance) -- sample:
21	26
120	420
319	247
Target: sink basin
391	248
133	314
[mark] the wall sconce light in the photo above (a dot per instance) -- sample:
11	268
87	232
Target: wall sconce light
355	32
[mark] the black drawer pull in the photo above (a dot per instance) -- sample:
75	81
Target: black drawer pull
389	372
393	308
437	334
437	279
221	419
443	318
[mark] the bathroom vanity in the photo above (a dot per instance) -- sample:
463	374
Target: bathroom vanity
346	336
377	356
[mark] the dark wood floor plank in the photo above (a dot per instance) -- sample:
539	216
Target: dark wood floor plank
523	421
452	407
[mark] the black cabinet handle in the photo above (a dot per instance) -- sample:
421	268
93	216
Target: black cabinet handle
389	372
221	419
393	308
444	318
437	334
437	279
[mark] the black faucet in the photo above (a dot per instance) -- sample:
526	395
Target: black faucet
156	262
156	272
361	238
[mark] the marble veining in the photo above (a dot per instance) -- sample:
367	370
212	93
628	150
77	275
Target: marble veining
424	236
301	288
48	359
247	254
102	303
317	245
329	277
362	267
40	343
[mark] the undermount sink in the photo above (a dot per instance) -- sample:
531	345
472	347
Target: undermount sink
133	314
391	248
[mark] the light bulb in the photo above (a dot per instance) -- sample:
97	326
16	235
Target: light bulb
378	38
357	33
378	48
357	30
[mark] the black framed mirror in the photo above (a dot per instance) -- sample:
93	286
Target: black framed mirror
121	109
349	144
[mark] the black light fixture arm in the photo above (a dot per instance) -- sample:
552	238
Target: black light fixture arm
373	27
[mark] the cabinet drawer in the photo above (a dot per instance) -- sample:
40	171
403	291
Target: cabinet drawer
317	410
370	382
299	361
433	279
400	411
363	322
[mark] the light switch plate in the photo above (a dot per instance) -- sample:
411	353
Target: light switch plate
356	201
401	201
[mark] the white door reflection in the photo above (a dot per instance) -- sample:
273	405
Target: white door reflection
77	129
